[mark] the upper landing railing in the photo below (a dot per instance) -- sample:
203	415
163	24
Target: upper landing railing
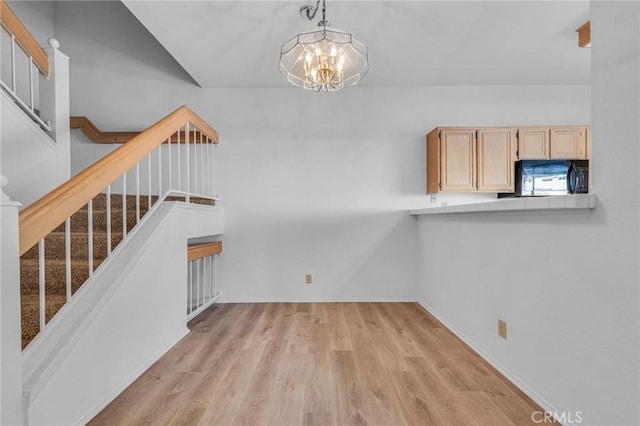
25	66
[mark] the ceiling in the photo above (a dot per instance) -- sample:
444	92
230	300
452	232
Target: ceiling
411	43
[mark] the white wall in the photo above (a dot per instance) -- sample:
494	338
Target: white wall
27	155
312	183
567	284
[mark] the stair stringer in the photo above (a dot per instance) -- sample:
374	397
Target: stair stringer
120	322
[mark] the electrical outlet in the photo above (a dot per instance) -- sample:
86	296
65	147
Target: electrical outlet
308	278
502	329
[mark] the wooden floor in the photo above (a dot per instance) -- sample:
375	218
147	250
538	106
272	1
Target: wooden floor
319	364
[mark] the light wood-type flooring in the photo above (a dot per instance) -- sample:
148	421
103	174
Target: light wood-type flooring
279	364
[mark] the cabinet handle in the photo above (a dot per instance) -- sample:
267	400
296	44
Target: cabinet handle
440	185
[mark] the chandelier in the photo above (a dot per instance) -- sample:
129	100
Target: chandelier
323	59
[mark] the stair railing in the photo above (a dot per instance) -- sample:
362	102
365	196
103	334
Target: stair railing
173	157
26	60
202	289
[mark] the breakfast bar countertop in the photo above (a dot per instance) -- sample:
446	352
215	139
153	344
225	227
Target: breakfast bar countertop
562	202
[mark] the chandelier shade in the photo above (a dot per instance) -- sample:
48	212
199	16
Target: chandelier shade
324	59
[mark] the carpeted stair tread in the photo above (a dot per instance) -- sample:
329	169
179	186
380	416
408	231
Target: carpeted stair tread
30	305
80	220
55	275
100	201
55	245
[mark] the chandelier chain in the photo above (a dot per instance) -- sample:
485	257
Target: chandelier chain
310	11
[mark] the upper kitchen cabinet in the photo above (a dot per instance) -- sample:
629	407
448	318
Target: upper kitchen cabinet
569	143
496	154
470	160
533	143
566	143
451	160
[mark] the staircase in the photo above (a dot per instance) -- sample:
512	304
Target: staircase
94	284
55	255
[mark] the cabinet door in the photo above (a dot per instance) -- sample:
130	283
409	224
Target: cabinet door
496	158
457	160
533	143
569	143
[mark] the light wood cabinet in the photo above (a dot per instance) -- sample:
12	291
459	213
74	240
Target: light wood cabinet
533	143
561	142
568	143
457	160
470	160
496	154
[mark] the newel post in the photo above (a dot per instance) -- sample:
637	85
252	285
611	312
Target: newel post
11	401
57	109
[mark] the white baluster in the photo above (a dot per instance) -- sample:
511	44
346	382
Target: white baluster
13	64
137	192
179	188
41	283
198	283
170	171
215	275
207	294
90	236
159	172
186	137
67	257
124	205
189	284
208	166
31	94
202	162
211	260
149	186
202	282
108	220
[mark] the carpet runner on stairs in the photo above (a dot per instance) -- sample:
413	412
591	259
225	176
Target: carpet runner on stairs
55	255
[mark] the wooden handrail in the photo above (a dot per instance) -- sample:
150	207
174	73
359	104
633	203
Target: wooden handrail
24	38
203	250
40	218
98	136
93	133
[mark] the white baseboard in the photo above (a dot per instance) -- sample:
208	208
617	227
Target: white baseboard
318	300
128	381
517	382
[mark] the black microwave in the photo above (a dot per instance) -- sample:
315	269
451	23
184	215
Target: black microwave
551	177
